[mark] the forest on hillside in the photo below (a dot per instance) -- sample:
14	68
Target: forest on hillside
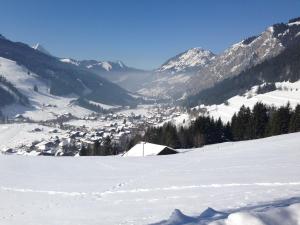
259	122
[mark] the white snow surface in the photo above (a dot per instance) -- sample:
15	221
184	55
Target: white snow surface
24	81
105	65
71	61
16	135
230	177
287	92
190	58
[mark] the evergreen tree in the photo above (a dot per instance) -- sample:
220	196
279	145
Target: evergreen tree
227	133
170	137
185	137
280	121
218	130
295	120
259	120
241	124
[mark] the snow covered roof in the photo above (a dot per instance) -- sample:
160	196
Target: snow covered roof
149	149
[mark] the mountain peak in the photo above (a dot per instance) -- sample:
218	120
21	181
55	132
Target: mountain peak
40	48
2	37
194	57
199	49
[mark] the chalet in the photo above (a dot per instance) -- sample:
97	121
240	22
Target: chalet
149	149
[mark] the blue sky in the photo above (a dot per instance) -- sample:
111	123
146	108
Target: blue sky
141	33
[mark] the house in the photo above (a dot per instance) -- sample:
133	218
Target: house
149	149
45	146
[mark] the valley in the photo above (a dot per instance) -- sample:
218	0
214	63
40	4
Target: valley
203	138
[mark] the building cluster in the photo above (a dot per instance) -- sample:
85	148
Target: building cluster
68	139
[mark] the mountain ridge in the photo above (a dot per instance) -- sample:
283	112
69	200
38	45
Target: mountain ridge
65	79
232	61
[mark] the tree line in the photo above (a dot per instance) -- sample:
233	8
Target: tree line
259	122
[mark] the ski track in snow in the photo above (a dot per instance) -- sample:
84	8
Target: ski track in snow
114	189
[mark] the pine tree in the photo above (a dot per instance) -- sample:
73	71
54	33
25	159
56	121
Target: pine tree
241	124
170	137
280	121
185	138
259	120
227	132
294	125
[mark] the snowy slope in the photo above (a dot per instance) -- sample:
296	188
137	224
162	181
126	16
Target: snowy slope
25	80
16	135
272	213
227	177
194	57
65	79
71	61
286	92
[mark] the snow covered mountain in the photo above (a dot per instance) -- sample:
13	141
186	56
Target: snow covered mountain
100	66
198	69
256	49
40	48
173	78
281	68
31	79
117	72
191	59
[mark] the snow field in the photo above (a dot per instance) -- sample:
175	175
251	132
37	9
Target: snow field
119	190
288	92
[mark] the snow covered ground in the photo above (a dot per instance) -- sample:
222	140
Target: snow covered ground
18	134
260	177
44	105
287	92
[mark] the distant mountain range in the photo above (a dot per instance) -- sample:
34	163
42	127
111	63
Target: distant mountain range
198	69
63	79
117	72
195	76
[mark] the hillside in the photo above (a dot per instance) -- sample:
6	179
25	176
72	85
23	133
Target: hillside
29	95
64	79
230	178
284	67
198	69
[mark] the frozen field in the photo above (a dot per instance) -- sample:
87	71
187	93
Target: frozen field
117	190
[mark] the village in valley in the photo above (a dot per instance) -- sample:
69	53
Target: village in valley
68	135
